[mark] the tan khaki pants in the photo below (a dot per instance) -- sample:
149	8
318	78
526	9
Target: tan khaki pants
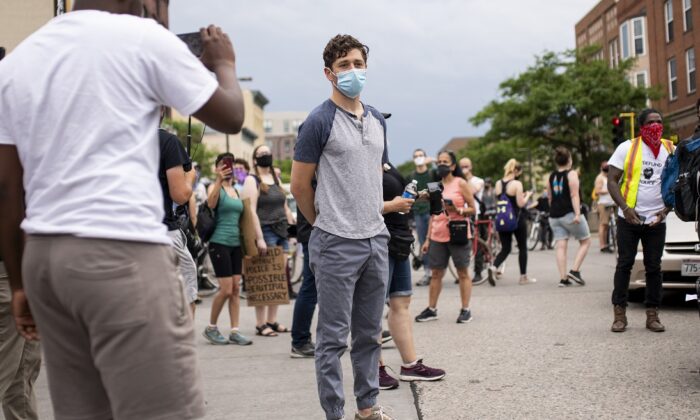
116	332
19	362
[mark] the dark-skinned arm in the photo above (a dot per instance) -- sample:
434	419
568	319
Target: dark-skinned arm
12	237
224	111
614	176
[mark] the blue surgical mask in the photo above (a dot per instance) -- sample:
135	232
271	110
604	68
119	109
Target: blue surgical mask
351	82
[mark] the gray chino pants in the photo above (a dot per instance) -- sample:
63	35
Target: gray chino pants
351	280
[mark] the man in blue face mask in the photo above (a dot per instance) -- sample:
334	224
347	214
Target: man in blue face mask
343	144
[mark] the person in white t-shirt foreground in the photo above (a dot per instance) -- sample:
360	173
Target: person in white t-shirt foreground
634	183
605	207
80	107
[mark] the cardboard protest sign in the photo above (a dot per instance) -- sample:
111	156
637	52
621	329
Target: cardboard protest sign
266	278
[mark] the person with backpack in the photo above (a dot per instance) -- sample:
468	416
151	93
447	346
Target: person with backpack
634	182
565	216
226	253
449	235
421	210
511	220
176	178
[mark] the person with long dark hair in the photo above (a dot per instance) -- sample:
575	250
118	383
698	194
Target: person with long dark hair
226	253
269	202
512	188
443	245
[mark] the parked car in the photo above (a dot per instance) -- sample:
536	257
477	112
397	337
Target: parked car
680	262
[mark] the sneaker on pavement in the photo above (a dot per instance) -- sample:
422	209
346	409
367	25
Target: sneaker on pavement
237	338
478	279
526	280
425	281
465	315
576	276
306	351
214	336
421	372
378	413
427	315
386	336
386	381
565	283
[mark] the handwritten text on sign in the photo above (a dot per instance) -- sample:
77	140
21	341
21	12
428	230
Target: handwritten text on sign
266	278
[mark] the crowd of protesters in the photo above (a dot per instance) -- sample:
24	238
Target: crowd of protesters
104	222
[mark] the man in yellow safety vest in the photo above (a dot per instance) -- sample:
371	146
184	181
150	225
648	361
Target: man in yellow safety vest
634	183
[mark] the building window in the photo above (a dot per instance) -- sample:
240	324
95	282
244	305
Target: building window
638	28
614	54
641	79
668	15
267	124
687	15
286	126
287	147
625	40
672	80
690	65
295	125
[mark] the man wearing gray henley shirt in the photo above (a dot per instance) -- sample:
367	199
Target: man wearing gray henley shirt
342	144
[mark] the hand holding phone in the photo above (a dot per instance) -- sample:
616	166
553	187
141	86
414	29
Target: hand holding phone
193	40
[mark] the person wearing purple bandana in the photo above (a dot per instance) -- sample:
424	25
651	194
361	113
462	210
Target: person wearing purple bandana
634	183
241	168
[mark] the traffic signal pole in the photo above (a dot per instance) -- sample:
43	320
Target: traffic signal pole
629	115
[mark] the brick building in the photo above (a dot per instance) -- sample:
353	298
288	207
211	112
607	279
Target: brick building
661	35
281	130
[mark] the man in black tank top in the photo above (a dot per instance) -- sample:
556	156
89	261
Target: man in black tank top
565	216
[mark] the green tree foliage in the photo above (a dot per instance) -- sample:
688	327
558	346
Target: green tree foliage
285	167
406	168
566	98
200	153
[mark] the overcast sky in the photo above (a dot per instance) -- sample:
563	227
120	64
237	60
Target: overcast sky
432	64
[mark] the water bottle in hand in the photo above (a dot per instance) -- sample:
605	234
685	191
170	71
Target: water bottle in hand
411	191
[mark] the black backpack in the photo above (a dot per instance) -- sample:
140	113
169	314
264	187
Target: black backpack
206	222
685	191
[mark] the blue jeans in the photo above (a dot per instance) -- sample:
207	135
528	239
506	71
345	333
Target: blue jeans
305	304
399	278
422	224
273	239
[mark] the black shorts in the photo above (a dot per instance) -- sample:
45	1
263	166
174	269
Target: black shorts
227	260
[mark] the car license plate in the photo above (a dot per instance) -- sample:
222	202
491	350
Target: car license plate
690	268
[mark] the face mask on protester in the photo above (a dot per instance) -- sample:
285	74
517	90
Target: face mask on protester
264	161
351	82
240	175
606	169
443	170
651	135
419	161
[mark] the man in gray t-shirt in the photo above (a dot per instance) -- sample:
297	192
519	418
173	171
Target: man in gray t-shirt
342	144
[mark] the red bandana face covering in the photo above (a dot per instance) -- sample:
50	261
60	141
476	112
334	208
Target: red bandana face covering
651	134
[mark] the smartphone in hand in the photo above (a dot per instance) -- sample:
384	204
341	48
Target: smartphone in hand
227	164
193	41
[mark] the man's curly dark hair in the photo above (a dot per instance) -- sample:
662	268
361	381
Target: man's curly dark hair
339	46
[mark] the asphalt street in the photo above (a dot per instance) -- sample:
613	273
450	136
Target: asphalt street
531	352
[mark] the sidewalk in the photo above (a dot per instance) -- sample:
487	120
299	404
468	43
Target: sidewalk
261	381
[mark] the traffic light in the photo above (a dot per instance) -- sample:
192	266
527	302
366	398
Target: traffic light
618	130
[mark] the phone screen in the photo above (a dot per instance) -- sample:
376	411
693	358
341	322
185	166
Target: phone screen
193	41
449	202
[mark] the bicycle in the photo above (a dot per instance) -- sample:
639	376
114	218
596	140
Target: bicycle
540	232
490	246
612	228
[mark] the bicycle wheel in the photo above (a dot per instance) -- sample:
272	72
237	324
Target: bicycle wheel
534	237
488	259
452	269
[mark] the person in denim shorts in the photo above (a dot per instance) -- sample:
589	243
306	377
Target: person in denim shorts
399	290
565	216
